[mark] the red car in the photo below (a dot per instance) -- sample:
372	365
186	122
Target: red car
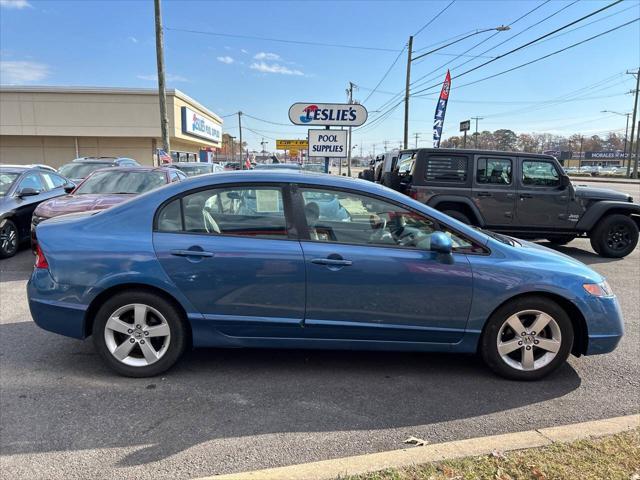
105	188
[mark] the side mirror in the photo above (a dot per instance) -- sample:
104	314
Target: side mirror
565	182
28	192
441	243
69	187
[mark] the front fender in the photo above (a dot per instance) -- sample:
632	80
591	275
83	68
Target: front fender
600	209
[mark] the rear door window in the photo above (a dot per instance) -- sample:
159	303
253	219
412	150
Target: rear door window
494	171
446	168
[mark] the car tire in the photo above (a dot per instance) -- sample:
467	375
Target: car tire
533	355
458	216
561	239
616	236
148	337
9	238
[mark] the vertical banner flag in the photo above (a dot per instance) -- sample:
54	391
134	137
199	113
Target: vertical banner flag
441	109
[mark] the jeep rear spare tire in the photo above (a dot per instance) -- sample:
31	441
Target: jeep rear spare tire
615	236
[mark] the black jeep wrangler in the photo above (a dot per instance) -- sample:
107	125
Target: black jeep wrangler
521	194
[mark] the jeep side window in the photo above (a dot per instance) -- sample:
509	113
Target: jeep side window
540	173
442	168
494	171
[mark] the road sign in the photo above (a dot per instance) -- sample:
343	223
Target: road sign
465	126
289	144
327	114
328	143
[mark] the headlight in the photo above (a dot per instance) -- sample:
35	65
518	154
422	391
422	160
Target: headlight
598	289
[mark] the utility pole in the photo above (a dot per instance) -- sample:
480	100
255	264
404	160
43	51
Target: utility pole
417	135
633	127
635	163
476	134
233	150
580	154
406	93
242	167
350	96
374	150
164	121
386	144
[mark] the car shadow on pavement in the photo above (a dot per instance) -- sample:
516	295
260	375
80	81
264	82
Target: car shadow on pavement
58	395
587	257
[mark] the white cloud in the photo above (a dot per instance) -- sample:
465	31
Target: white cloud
274	68
169	77
133	39
267	56
244	51
226	59
18	72
17	4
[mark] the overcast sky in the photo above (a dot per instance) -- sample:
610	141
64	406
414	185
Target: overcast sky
111	43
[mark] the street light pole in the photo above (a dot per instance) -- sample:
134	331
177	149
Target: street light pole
633	127
164	121
407	88
240	127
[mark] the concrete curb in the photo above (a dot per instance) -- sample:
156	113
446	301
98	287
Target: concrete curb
341	467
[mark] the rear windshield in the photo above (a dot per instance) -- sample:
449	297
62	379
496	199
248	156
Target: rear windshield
122	182
6	180
81	170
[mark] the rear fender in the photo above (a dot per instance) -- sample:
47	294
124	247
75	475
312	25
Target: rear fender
437	200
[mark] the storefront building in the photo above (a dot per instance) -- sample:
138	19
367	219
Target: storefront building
54	125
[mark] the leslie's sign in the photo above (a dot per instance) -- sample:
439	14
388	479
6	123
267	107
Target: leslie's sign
336	114
199	126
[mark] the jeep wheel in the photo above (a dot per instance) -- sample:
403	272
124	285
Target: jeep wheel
561	239
615	237
458	216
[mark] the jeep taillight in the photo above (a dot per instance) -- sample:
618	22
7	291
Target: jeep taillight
41	261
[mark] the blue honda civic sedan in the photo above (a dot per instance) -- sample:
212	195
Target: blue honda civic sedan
282	259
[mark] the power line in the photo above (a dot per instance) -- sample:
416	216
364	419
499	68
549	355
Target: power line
530	43
434	18
548	55
385	75
266	121
281	40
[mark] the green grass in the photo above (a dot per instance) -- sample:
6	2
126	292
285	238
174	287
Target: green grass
613	457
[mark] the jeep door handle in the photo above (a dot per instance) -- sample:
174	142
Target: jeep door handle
484	194
332	262
191	253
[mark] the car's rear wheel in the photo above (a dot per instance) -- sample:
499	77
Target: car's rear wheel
526	339
561	239
139	334
9	239
458	216
615	237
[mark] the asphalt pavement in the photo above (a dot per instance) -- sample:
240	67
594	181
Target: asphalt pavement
64	415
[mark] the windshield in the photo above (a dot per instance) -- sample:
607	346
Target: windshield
81	170
121	182
6	180
193	170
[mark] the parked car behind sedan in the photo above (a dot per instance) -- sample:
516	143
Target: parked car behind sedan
22	189
189	265
191	169
105	188
80	168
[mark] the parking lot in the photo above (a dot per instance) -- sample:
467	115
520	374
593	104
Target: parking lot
64	414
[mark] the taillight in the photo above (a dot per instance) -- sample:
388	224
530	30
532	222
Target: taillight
41	261
412	193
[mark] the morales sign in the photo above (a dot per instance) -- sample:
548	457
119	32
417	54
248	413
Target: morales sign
198	125
327	114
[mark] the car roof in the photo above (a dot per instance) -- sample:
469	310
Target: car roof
189	164
18	168
100	159
475	151
135	168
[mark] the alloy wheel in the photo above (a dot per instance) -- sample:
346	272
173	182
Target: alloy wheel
8	239
529	340
618	237
137	335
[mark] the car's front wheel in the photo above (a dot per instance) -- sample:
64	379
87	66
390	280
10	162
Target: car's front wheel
527	338
615	237
139	334
9	238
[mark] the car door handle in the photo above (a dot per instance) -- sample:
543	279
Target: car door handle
332	262
191	253
484	194
526	195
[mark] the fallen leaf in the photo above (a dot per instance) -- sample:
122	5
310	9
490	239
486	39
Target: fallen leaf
416	441
538	474
498	454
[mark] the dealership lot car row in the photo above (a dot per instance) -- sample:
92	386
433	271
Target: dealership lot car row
205	262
